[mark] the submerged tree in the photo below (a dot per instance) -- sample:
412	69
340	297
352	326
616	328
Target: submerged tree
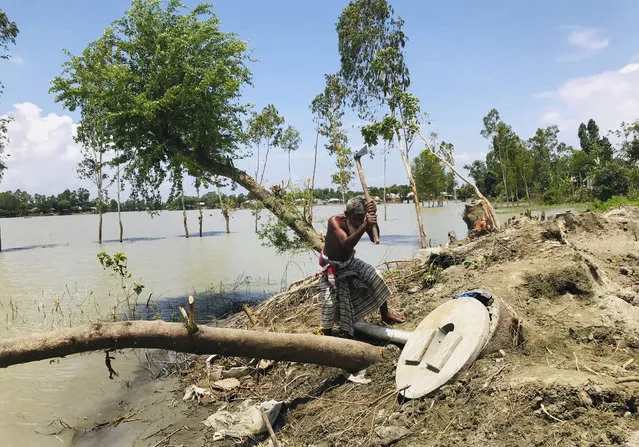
118	185
167	83
226	207
92	167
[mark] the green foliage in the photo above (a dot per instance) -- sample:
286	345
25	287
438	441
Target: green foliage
431	275
165	83
553	196
592	144
430	177
614	202
8	33
290	142
553	171
465	192
328	109
21	203
118	265
485	179
265	128
275	233
370	43
611	180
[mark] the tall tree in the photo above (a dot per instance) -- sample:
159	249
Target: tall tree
329	107
317	120
543	146
8	34
167	81
290	142
430	176
597	147
371	43
491	122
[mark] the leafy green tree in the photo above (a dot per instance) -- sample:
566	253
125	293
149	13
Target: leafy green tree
430	177
542	146
629	135
264	129
491	122
597	147
611	179
166	83
465	192
485	179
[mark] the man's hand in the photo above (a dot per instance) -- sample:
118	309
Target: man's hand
371	207
370	220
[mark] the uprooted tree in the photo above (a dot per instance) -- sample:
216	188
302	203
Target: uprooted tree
306	348
166	84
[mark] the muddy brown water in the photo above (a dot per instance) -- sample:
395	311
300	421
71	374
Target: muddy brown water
50	278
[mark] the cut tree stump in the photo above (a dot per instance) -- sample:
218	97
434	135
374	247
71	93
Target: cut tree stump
350	355
476	213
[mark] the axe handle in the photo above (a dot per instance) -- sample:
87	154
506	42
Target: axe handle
362	179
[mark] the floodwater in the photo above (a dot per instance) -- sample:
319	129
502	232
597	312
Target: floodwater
50	278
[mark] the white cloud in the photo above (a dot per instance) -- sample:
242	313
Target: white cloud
609	98
42	154
587	38
585	41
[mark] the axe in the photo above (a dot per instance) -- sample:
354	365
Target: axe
358	163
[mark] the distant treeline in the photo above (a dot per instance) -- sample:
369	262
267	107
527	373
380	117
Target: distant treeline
543	168
20	203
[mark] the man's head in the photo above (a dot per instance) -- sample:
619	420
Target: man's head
355	212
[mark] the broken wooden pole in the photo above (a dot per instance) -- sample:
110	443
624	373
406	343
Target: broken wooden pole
350	355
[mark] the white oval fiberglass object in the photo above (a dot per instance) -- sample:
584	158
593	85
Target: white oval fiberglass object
449	339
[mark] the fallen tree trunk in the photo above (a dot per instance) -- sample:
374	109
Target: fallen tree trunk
304	348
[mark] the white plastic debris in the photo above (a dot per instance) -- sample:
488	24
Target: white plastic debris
247	421
358	377
195	392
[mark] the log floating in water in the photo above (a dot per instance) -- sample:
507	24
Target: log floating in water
304	348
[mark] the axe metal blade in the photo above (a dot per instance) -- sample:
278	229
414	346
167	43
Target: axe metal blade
360	153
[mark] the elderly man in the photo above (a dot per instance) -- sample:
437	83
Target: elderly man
350	287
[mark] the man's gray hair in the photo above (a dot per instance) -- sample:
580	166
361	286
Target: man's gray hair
356	206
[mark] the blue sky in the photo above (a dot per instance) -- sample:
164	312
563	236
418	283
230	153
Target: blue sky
538	63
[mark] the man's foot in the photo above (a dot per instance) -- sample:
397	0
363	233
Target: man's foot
393	319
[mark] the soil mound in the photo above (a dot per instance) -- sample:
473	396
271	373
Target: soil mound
572	382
